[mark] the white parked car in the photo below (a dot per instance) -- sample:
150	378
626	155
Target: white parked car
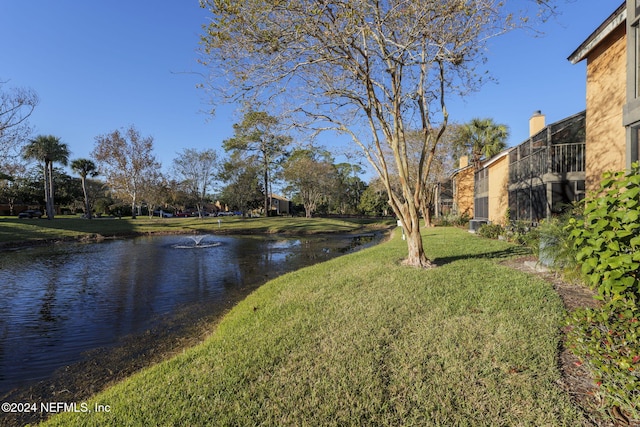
163	214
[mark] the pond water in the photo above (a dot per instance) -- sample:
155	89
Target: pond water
58	302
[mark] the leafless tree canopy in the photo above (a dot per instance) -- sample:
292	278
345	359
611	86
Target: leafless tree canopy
374	70
126	158
16	105
197	171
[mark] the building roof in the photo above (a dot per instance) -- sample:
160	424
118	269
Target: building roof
616	19
488	162
275	196
559	126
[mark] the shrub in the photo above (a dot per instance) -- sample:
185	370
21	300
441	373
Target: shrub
607	241
452	220
555	246
608	340
491	231
461	220
521	232
608	237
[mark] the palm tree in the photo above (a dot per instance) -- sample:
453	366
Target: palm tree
84	168
480	138
49	150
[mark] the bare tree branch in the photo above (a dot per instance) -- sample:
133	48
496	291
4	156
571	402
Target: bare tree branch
376	70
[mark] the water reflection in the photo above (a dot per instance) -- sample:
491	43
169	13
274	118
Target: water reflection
58	302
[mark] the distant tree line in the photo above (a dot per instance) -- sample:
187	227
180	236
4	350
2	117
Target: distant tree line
259	156
124	177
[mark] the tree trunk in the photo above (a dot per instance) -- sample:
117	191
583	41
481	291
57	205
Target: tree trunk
87	208
410	219
416	256
47	189
266	193
51	199
427	217
45	178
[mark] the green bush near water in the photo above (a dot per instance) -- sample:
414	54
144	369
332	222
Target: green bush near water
362	340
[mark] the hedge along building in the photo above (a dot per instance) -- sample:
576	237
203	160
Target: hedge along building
612	53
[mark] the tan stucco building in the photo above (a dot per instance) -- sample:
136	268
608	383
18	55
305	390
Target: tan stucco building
561	162
454	196
463	189
547	171
490	198
280	205
612	93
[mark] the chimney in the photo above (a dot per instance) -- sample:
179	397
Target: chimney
536	123
464	162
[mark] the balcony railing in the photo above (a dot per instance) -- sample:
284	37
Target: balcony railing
565	158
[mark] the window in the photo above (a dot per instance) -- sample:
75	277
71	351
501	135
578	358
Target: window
482	181
481	208
481	199
634	154
564	194
636	31
528	204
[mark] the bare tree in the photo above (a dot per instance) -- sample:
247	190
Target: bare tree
311	176
197	171
124	158
16	105
441	166
155	191
369	69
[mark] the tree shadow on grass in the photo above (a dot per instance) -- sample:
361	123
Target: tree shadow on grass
511	252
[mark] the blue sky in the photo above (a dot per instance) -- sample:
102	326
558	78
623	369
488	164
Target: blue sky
101	65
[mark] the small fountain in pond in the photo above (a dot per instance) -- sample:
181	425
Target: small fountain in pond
197	243
197	239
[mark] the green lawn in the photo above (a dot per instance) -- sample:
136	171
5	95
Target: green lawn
361	340
13	230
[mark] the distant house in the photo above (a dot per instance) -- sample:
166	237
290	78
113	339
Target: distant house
612	53
443	198
462	188
280	205
454	196
490	194
547	171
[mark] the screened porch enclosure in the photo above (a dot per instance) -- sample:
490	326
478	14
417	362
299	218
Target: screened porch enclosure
547	171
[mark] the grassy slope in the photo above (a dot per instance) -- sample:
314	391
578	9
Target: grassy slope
360	340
